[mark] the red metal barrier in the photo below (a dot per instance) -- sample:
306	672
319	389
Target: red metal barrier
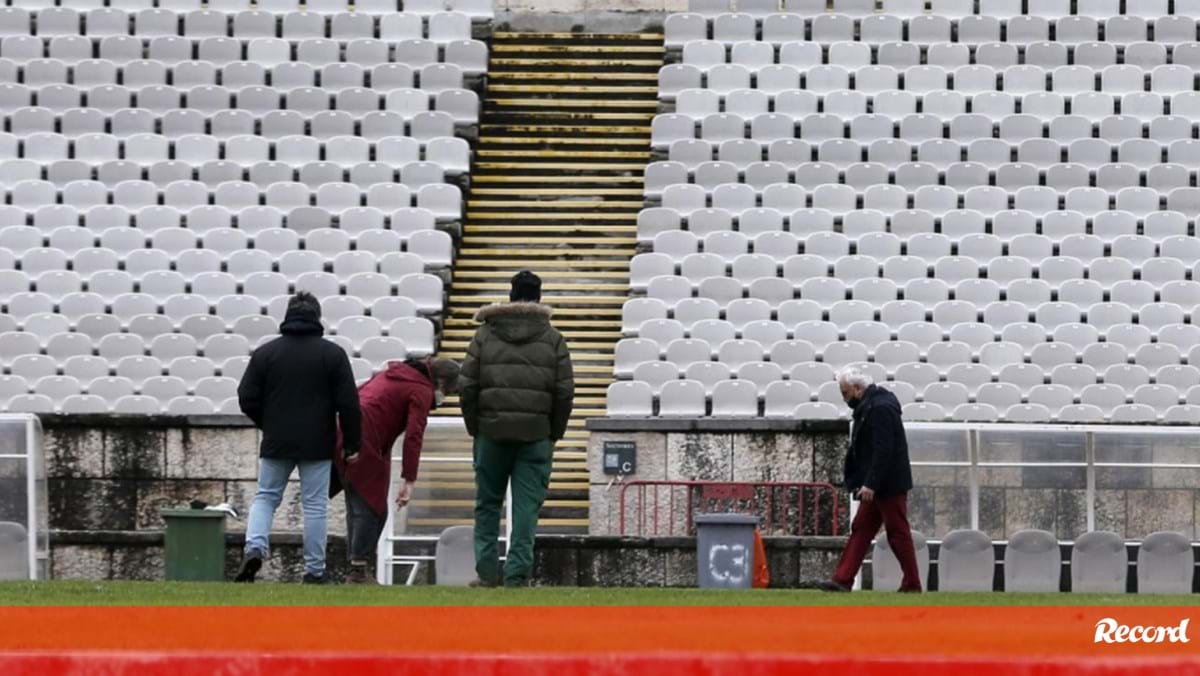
781	505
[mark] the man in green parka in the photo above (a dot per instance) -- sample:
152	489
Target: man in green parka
516	391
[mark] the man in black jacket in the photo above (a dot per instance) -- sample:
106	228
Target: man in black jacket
877	471
296	389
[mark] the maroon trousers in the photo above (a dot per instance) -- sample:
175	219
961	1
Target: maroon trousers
892	513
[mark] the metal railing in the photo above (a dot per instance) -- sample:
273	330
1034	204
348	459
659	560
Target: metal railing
1060	457
781	505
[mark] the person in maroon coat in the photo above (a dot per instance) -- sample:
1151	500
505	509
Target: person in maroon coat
396	401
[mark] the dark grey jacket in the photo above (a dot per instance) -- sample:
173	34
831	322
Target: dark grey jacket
878	455
296	388
517	382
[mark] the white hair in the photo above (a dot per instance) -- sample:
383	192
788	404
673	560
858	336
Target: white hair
854	378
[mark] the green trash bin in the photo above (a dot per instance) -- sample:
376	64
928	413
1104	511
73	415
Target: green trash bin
195	544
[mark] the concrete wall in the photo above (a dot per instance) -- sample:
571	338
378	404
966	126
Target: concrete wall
711	450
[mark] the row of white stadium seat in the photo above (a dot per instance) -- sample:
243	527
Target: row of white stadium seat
1031	299
52	332
95	316
285	197
381	229
868	341
900	359
866	337
424	126
931	81
1005	9
1124	136
129	354
928	29
909	318
858	56
481	9
334	77
840	199
173	50
203	268
424	289
442	85
430	249
972	233
246	24
246	150
733	398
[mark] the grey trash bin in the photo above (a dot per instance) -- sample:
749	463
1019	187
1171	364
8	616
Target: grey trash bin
725	550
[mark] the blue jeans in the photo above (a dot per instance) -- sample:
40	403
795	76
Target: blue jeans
273	476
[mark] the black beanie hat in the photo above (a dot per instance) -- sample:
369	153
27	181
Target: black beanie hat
526	287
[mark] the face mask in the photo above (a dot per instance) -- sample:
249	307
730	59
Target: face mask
438	398
853	402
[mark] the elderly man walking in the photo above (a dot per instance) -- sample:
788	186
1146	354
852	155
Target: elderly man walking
878	473
516	389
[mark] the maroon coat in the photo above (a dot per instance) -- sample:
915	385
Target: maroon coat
396	401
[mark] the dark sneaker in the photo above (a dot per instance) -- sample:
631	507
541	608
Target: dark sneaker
359	575
309	578
251	564
480	584
910	590
831	586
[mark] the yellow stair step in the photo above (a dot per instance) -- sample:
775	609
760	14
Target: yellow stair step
630	205
622	90
565	192
573	76
553	300
563	141
565	166
544	274
643	130
585	37
552	216
509	178
567	103
548	286
497	64
505	48
598	154
567	333
584	265
552	241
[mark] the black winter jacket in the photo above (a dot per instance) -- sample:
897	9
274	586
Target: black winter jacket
293	388
517	382
878	455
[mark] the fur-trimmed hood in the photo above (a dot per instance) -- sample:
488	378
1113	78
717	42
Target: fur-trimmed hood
515	322
513	309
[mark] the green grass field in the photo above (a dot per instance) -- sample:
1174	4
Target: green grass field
266	594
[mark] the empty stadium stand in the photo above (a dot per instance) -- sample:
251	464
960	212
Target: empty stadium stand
173	172
556	188
990	206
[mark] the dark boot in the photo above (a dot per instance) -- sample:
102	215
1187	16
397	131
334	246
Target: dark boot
831	586
309	578
359	575
251	564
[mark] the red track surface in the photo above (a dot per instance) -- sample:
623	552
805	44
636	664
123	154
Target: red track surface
182	641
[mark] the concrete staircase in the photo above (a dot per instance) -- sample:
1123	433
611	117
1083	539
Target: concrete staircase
556	187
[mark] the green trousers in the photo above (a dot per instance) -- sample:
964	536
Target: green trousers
528	466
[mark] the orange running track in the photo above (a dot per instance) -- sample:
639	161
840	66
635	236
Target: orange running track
930	640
